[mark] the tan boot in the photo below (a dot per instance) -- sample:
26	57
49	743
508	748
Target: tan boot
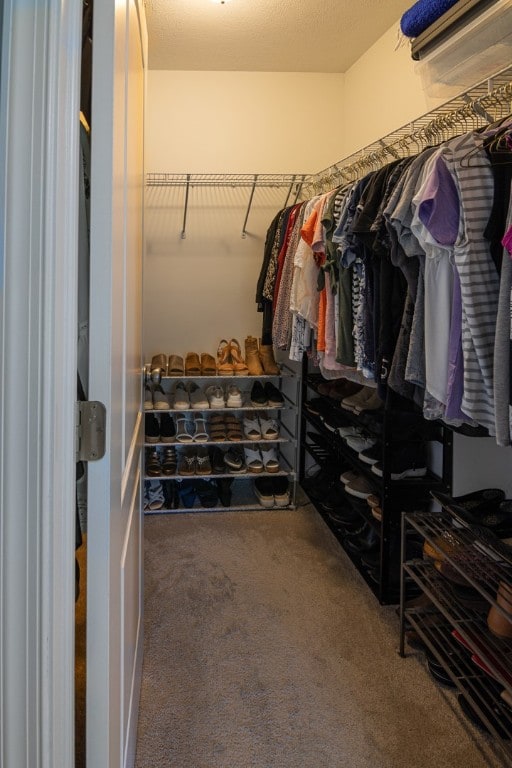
267	360
252	357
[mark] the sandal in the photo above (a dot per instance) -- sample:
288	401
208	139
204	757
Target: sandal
175	366
203	463
233	429
200	433
269	428
192	364
169	462
187	462
224	361
208	367
217	428
239	366
158	367
252	427
153	468
182	433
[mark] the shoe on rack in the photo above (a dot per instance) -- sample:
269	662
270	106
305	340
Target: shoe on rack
233	396
337	389
269	427
187	492
349	476
203	464
208	367
175	366
158	367
217	428
207	492
281	491
373	403
224	361
273	396
167	428
151	428
234	459
472	506
192	364
233	428
215	395
270	367
184	429
224	489
405	460
160	399
334	420
169	461
264	491
153	467
258	395
181	400
217	461
269	458
239	366
154	497
252	430
148	398
252	356
371	455
171	495
358	400
197	396
360	488
350	431
187	462
359	444
253	460
200	433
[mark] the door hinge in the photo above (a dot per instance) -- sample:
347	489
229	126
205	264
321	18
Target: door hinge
90	424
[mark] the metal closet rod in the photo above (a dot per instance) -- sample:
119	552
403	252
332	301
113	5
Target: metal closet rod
474	107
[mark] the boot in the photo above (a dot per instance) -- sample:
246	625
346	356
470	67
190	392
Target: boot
267	360
252	358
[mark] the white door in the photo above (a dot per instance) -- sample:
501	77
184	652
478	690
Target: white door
114	541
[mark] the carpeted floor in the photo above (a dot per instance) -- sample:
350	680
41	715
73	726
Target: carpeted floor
265	649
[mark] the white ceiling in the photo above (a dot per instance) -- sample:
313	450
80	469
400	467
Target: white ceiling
266	35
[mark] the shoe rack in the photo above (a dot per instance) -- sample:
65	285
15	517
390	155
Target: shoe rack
235	486
370	535
463	623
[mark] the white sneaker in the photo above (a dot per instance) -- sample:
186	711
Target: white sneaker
181	398
198	399
360	443
233	396
160	399
349	431
215	395
148	398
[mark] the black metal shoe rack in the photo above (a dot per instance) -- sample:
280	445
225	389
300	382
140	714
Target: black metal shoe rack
327	449
452	624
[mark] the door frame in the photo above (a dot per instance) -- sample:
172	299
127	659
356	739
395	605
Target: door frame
39	141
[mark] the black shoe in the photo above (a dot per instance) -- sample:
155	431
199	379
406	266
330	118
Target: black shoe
472	507
371	455
217	461
258	397
187	492
151	428
405	460
171	495
224	490
208	493
273	395
167	428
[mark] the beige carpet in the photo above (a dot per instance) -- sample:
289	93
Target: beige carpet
265	649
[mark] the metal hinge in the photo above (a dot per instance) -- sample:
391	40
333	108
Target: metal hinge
90	423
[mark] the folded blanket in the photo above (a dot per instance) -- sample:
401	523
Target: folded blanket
422	14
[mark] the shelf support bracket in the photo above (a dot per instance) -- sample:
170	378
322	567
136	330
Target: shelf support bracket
299	189
183	229
290	191
244	230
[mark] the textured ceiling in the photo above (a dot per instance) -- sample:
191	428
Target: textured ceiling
266	35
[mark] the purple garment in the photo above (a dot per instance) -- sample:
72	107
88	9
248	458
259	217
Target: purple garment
507	241
439	209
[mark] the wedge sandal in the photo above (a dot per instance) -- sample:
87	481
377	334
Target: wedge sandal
233	429
153	466
192	364
224	361
239	366
208	366
169	462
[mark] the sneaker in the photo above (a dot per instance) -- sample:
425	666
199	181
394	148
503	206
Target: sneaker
264	491
373	403
258	396
335	420
350	431
252	429
198	399
160	399
269	427
273	395
360	487
151	428
404	461
269	458
148	398
349	476
253	459
203	464
281	490
371	455
181	398
233	396
167	428
215	396
360	443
